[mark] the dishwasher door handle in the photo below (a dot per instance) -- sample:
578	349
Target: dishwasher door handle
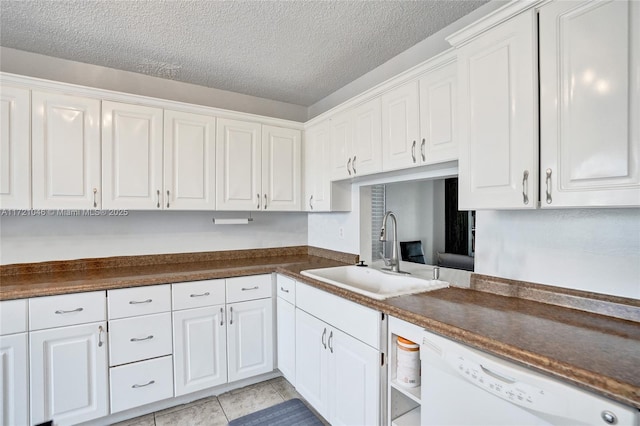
498	376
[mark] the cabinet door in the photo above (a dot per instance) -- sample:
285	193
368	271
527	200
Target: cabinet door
317	179
15	159
286	323
281	169
189	161
367	138
238	165
131	156
498	166
66	151
590	104
250	338
311	361
400	127
199	349
69	374
14	377
438	103
341	133
354	381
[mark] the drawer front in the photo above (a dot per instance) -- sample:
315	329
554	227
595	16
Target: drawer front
138	338
359	321
13	316
198	294
248	288
141	383
67	309
129	302
286	289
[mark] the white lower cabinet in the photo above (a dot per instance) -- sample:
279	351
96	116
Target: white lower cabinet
250	338
69	374
286	332
336	373
141	383
138	338
200	349
14	377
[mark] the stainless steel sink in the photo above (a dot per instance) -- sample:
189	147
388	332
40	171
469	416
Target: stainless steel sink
373	282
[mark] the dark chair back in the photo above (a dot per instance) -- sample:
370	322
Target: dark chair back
411	251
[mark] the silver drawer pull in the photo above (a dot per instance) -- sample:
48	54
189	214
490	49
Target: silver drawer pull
252	288
284	289
135	302
68	312
200	295
135	339
146	384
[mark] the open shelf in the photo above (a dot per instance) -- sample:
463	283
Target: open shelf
411	393
412	418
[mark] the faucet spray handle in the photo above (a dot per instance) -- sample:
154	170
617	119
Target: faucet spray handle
387	262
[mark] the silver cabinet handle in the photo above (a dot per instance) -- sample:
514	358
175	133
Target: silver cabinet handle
249	288
167	198
139	302
330	339
231	315
311	202
258	206
141	386
422	146
548	182
353	165
349	166
200	295
413	151
324	334
525	187
158	194
100	331
265	201
284	289
135	339
68	312
221	316
95	202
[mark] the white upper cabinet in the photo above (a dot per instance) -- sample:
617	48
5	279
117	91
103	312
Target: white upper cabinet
239	165
498	165
317	181
281	168
590	103
367	138
15	170
400	127
341	133
189	161
66	151
438	115
131	156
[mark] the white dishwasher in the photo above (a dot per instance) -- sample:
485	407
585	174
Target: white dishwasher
464	386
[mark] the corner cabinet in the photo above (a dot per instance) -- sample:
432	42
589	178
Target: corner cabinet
258	167
590	104
498	89
15	141
65	151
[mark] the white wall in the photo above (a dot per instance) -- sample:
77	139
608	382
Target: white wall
36	239
588	249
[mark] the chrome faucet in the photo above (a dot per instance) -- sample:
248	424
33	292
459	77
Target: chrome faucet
393	262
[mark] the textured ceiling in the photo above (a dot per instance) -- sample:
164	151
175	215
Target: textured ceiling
290	51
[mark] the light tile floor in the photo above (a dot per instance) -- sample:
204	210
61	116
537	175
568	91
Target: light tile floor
214	411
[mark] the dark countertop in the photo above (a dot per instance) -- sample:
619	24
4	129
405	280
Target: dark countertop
596	352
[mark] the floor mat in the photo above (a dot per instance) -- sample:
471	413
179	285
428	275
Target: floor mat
288	413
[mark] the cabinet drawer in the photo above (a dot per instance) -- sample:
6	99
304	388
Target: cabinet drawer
13	316
138	338
248	288
141	383
128	302
286	289
198	294
66	309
